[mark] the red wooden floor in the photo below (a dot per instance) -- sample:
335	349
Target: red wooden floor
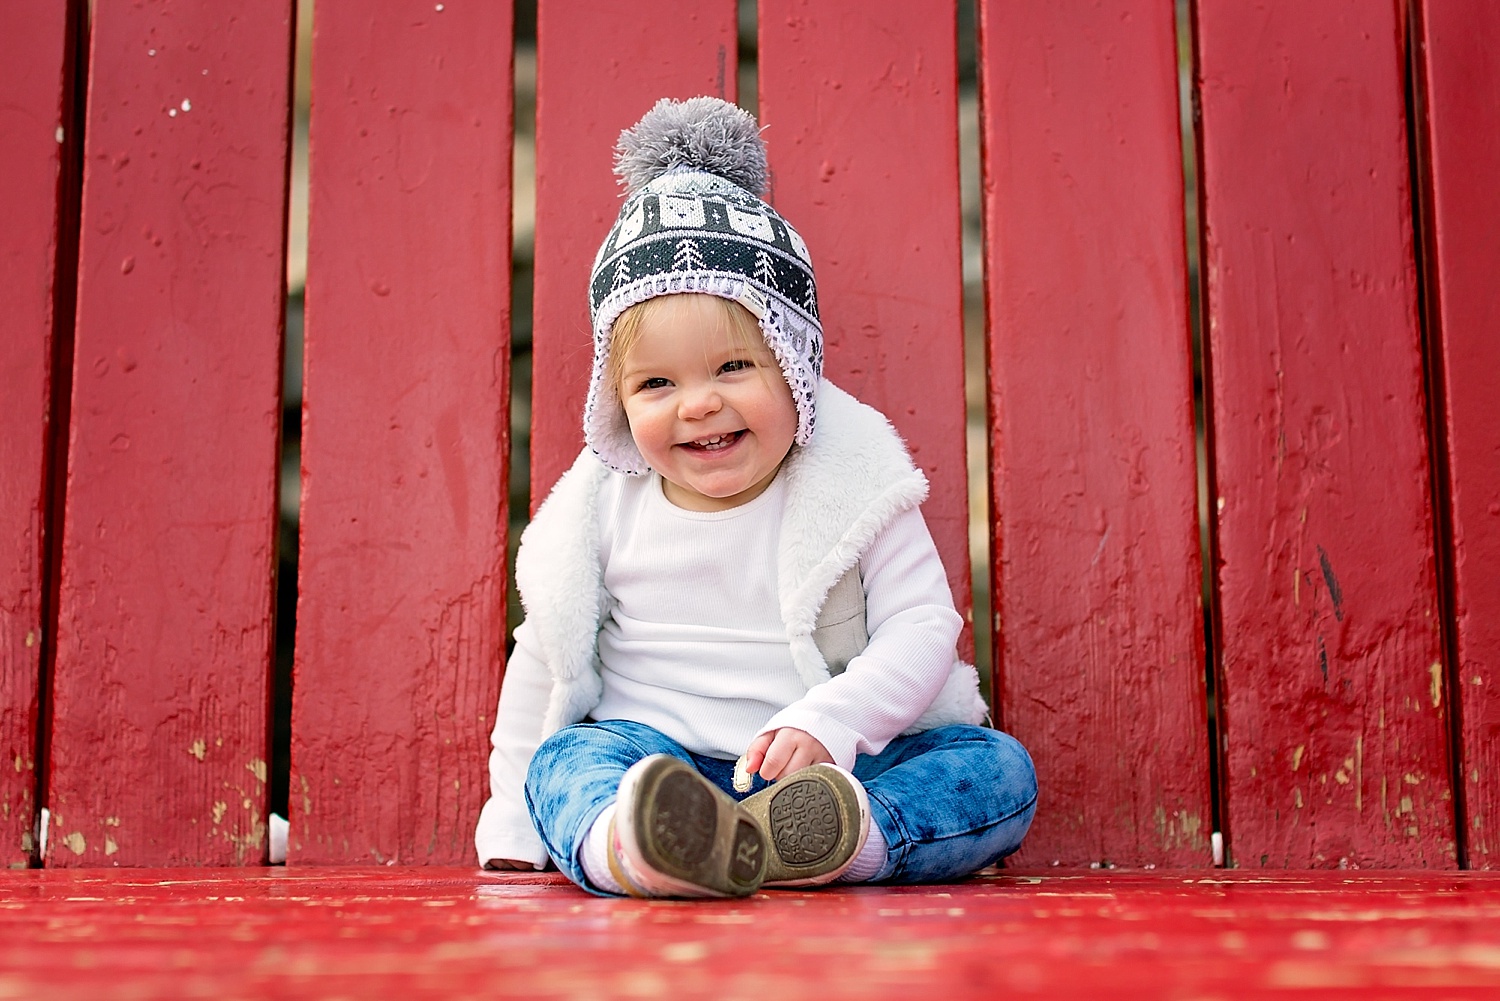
459	933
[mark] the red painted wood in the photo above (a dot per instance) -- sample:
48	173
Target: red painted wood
401	617
1333	706
1461	67
164	635
599	68
1096	567
35	45
453	934
859	101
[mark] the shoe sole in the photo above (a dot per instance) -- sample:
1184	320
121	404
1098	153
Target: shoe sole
815	820
694	838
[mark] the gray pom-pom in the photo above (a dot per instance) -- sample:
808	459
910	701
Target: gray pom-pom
701	133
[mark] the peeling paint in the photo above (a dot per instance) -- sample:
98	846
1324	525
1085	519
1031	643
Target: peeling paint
1437	684
257	768
109	845
220	808
75	842
1359	773
198	749
1297	756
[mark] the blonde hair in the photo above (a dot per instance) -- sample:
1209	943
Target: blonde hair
626	332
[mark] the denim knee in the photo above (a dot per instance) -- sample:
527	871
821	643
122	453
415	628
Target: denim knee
950	801
1012	761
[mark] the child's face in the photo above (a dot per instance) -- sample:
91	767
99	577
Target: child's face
708	408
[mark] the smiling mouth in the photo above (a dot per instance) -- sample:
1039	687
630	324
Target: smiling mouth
714	442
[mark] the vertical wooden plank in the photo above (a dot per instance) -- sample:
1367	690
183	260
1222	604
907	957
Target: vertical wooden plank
1331	663
599	68
859	101
36	43
1097	572
405	433
1460	62
164	646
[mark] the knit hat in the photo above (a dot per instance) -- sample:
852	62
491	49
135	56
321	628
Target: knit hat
693	221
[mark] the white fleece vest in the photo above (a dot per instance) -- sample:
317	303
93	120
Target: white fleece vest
843	489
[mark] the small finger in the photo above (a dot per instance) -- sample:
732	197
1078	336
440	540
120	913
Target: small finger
800	760
774	764
755	754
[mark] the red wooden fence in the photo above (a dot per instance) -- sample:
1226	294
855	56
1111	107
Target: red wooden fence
1459	60
401	616
164	619
1331	660
1350	440
1095	566
36	126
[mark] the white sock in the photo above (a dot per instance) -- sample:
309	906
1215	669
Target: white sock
596	849
869	860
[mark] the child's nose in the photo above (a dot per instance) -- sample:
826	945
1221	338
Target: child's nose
698	401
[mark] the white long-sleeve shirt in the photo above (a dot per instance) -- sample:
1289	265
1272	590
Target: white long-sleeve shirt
693	643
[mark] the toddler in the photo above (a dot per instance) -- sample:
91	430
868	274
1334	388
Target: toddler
737	667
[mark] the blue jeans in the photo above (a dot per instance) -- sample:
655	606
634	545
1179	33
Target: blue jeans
948	801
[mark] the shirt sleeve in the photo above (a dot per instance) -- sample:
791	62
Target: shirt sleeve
913	636
505	830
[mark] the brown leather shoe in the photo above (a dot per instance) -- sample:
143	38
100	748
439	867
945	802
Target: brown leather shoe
676	834
816	821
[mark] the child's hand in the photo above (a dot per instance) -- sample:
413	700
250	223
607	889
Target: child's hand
781	752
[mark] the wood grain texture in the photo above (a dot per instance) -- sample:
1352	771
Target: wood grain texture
1096	554
164	634
599	68
1333	707
35	119
859	102
401	615
446	933
1460	66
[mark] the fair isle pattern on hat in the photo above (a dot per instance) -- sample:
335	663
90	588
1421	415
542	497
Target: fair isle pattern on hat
688	226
